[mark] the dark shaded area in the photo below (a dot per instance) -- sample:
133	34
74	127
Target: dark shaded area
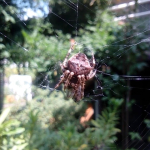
65	16
140	109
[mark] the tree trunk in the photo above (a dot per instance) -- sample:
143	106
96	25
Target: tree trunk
125	119
1	86
18	69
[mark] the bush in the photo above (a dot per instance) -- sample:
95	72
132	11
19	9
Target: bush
10	132
53	123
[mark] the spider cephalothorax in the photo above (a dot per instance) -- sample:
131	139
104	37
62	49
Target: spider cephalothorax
76	71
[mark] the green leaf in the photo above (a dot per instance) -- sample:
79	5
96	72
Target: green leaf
15	131
4	115
135	135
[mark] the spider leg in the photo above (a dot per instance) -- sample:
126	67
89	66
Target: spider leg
68	80
91	74
92	62
78	93
64	64
70	92
63	78
82	85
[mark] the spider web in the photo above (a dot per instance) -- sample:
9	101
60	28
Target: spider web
107	81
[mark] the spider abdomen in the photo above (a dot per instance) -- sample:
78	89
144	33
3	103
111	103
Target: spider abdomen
79	64
78	70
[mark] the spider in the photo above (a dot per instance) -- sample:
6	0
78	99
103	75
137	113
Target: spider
76	71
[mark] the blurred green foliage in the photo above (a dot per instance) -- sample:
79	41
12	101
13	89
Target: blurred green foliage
70	12
9	26
44	54
53	123
10	133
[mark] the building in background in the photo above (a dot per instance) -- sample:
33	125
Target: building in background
124	9
20	87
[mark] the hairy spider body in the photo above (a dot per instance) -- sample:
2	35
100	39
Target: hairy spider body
79	64
76	71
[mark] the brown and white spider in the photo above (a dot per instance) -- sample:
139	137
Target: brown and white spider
76	71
